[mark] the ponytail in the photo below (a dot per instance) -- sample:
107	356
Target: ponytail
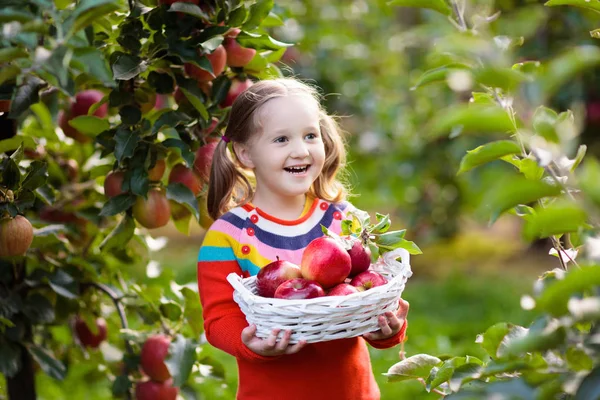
226	183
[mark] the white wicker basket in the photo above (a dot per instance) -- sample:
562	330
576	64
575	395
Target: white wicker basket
330	317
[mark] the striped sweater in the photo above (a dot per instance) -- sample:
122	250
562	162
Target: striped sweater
244	240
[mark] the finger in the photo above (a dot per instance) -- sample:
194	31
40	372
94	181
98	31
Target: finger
403	307
272	339
248	333
295	347
284	342
394	322
384	327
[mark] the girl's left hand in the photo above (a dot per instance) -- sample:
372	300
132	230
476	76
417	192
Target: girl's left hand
390	323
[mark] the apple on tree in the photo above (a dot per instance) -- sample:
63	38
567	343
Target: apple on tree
368	280
113	184
184	175
326	261
152	357
16	235
274	274
152	390
298	289
237	55
154	211
237	87
86	337
218	60
203	160
83	102
156	173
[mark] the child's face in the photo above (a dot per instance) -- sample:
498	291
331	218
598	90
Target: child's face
289	136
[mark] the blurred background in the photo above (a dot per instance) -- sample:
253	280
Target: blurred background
367	56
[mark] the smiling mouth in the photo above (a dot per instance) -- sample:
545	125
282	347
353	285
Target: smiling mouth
297	170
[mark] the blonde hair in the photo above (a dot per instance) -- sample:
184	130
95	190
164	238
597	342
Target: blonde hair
229	186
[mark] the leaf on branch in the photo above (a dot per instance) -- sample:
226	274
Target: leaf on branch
15	142
563	68
118	204
590	5
88	11
127	67
414	367
181	194
438	74
26	95
189	9
487	153
126	142
182	148
555	219
120	236
257	13
181	358
47	362
90	125
10	362
554	299
260	42
473	118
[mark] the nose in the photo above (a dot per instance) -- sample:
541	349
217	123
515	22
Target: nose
300	150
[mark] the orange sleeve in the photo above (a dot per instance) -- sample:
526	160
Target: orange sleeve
391	341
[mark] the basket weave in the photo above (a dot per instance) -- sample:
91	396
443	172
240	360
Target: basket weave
325	318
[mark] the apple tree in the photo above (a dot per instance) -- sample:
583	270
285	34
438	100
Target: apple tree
543	177
110	113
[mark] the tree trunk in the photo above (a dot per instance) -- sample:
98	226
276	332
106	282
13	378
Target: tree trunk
22	385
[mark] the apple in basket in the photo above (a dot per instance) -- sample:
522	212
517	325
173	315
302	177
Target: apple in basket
367	280
360	256
343	289
299	288
274	274
326	261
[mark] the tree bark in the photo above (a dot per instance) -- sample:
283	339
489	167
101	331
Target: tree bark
22	385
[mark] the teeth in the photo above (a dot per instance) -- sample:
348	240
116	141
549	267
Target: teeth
296	170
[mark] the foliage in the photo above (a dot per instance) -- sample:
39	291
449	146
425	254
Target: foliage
134	54
556	355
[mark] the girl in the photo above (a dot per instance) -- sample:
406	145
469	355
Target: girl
284	142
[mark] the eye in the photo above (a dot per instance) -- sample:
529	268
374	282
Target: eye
312	136
280	139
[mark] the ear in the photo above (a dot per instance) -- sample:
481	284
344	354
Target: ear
243	155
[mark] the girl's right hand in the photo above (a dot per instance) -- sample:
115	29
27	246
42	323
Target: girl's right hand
270	346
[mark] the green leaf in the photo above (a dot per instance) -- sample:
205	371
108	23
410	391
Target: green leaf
438	5
504	78
26	95
544	121
196	102
438	74
513	191
189	9
93	62
444	372
169	119
130	115
555	296
554	220
127	67
64	284
531	169
417	366
126	142
120	236
181	194
193	310
566	66
464	374
407	245
260	42
390	238
258	12
171	310
491	339
486	153
12	53
38	309
182	148
10	362
474	118
237	16
15	142
382	225
536	341
90	125
121	386
47	362
589	176
118	204
181	358
88	11
9	15
579	360
590	386
9	72
590	5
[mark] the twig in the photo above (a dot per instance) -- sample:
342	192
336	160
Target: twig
459	15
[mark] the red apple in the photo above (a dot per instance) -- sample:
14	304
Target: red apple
237	56
237	87
218	59
16	235
274	274
299	288
203	160
154	211
83	101
85	334
182	174
326	261
156	173
360	256
367	280
152	357
151	390
343	289
113	184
